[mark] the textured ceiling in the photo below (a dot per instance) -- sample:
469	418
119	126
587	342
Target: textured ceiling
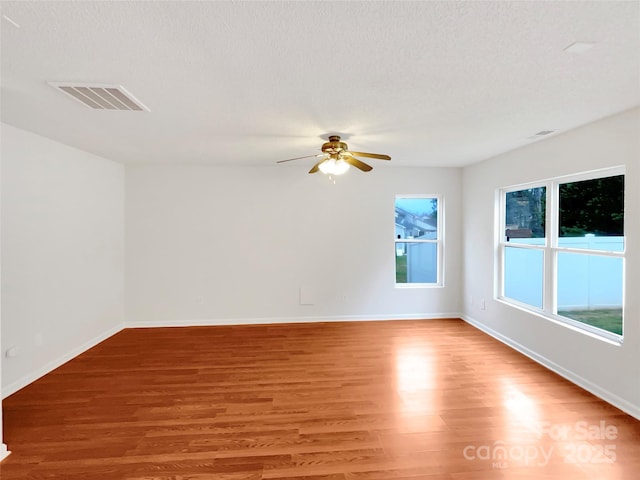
249	83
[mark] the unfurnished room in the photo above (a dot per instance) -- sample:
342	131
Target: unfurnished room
320	240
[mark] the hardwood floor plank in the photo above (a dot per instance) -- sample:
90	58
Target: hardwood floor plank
395	400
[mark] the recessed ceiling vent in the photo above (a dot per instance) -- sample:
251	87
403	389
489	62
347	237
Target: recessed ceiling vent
101	97
542	133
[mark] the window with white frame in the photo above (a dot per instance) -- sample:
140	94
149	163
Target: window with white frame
561	249
418	240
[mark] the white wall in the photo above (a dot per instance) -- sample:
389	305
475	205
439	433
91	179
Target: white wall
3	447
231	245
610	371
62	253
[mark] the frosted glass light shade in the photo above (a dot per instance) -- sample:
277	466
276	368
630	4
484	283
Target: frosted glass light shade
332	166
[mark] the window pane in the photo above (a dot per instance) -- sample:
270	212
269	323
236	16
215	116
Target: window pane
592	214
525	215
416	262
417	218
523	274
590	290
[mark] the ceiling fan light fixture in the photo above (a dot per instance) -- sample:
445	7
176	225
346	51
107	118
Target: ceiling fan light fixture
336	158
331	166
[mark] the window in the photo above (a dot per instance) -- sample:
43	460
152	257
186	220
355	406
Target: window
418	240
561	250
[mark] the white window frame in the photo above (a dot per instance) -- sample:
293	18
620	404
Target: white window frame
551	249
439	241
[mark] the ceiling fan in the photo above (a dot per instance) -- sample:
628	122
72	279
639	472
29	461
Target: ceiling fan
336	158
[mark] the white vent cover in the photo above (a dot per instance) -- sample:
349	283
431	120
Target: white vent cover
540	134
100	97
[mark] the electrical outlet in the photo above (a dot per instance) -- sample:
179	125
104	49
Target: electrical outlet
483	305
12	352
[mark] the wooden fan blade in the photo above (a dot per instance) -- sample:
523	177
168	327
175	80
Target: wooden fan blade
357	163
316	167
297	158
379	156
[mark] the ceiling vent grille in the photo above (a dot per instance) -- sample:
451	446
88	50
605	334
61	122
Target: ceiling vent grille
101	97
540	134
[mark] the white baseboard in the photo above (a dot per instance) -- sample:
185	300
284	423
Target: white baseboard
4	453
52	365
607	396
276	320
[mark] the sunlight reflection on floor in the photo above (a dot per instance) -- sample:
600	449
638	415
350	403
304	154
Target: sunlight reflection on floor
415	382
520	410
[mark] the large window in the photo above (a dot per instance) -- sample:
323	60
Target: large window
418	240
561	250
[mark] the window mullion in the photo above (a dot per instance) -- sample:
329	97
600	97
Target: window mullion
551	230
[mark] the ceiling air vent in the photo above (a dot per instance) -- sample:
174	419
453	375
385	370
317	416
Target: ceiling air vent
541	133
101	97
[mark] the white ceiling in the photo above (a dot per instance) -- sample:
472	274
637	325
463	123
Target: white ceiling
249	83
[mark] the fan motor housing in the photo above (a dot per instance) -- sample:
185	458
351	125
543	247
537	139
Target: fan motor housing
334	145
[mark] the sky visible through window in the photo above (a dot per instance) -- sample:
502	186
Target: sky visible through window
417	206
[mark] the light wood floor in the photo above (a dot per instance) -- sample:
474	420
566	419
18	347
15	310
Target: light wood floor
401	400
